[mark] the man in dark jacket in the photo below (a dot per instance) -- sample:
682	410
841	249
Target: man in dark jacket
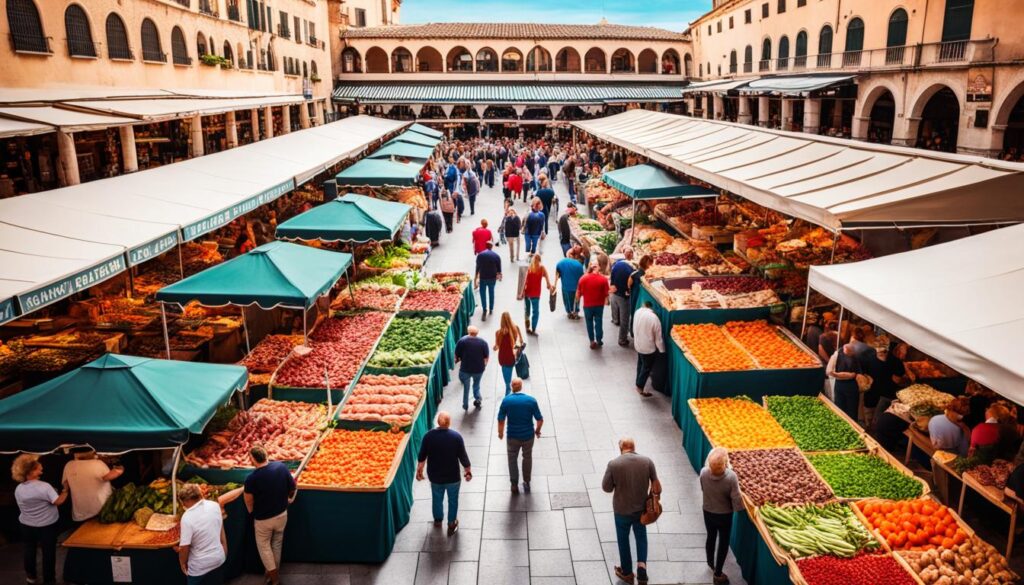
564	233
433	223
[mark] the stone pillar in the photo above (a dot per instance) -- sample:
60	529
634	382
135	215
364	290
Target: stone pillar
787	114
861	127
304	115
904	131
719	102
762	111
691	105
812	115
254	116
286	119
837	115
320	113
196	136
68	158
744	117
231	130
268	122
129	156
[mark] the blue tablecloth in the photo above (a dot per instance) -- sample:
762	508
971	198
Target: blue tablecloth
757	565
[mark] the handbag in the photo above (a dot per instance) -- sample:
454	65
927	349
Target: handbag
864	382
553	300
652	509
522	364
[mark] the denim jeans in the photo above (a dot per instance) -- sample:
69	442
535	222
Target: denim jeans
594	316
531	243
565	248
506	374
532	305
437	492
620	316
547	217
466	379
569	301
623	524
644	364
487	294
214	577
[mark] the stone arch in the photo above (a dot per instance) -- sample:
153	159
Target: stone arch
687	65
78	31
201	47
429	59
623	61
538	60
459	59
487	60
871	95
512	60
670	64
937	111
351	61
567	60
647	61
1008	123
377	61
595	61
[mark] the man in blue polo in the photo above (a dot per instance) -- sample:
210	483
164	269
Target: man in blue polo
622	309
520	410
533	226
488	273
472	353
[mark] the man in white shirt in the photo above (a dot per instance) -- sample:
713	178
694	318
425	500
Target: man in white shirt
649	344
88	479
203	545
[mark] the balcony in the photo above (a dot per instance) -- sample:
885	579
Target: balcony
312	41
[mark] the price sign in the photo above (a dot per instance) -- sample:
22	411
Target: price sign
121	569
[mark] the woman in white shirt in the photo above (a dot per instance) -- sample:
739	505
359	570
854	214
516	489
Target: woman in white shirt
203	546
38	503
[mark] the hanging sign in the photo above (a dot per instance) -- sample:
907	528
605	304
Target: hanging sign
6	310
152	249
226	216
70	285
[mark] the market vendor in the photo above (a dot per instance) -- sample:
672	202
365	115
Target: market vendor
88	479
947	431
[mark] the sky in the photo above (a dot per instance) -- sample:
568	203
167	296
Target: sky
669	14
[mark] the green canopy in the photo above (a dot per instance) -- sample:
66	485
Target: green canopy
651	182
403	150
275	274
118	403
352	218
426	131
415	138
377	172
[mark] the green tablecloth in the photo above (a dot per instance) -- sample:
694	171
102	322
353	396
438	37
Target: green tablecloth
462	317
757	565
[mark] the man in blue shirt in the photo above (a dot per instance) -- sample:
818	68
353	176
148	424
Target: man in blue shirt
533	227
569	270
473	353
621	306
488	272
268	491
441	451
546	195
520	410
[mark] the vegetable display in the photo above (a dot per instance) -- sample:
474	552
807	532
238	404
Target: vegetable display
924	396
348	459
732	285
384	398
994	475
857	475
410	341
913	524
863	569
804	531
137	503
269	353
389	257
383	298
738	423
431	301
287	430
778	476
975	562
813	425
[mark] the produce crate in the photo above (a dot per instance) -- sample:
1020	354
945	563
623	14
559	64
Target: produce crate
781	555
389	477
885	545
893	462
715	234
864	436
360	425
797	577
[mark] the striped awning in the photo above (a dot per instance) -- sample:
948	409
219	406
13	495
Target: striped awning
510	93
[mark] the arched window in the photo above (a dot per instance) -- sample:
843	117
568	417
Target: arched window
647	61
305	69
956	26
179	50
748	59
783	61
896	37
200	44
568	60
117	38
459	59
800	60
312	70
429	59
700	70
401	61
538	59
594	61
376	60
825	47
213	46
25	27
486	60
687	65
854	43
766	55
229	54
151	49
76	25
271	62
350	61
622	62
512	60
733	65
670	63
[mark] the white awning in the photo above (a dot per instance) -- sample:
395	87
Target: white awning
162	108
959	302
67	120
831	182
717	86
795	85
10	128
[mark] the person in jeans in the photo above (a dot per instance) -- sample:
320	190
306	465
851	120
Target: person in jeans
488	273
512	225
520	410
268	491
569	270
441	451
472	353
649	345
203	546
721	490
564	232
38	505
507	341
531	292
622	308
547	196
630	478
533	226
593	290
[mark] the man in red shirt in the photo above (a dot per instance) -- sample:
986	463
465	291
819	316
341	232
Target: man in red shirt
481	236
515	184
593	289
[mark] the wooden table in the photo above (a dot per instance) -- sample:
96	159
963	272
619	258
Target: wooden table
941	472
997	498
916	438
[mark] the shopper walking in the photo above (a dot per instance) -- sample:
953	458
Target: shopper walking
88	479
546	195
512	226
441	452
447	210
515	183
564	230
203	546
721	490
38	505
531	292
630	478
569	270
533	226
621	305
649	344
472	353
433	223
481	237
520	410
471	187
507	342
268	491
488	273
843	367
593	290
489	173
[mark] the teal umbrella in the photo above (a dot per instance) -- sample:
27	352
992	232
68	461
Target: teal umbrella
651	182
379	173
415	138
426	131
118	403
403	150
352	218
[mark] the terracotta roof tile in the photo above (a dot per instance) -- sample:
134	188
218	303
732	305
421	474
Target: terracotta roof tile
513	30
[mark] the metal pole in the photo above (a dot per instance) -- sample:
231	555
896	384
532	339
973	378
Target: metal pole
632	225
245	330
835	243
305	333
167	337
807	302
131	283
181	261
174	481
348	279
839	329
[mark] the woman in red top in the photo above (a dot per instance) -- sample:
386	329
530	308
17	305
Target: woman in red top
507	341
531	292
986	435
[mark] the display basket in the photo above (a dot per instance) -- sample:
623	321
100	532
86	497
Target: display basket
388	478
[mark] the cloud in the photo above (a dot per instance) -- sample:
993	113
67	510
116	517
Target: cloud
669	14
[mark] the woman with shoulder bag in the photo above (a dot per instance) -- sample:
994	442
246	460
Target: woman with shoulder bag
507	342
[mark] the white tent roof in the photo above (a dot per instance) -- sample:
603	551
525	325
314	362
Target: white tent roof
10	128
959	302
67	120
832	182
158	108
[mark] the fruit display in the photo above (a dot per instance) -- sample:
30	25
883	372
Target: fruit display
352	459
924	396
812	530
385	398
351	325
287	430
410	341
445	278
994	474
738	423
710	348
858	475
373	296
340	346
974	562
921	524
927	369
862	569
431	301
269	353
813	425
126	503
732	285
769	347
778	476
695	298
741	345
164	537
50	360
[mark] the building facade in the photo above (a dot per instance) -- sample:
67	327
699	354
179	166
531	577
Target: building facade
943	74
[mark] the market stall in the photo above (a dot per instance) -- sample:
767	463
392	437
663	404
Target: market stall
650	182
412	137
425	130
378	173
403	151
350	218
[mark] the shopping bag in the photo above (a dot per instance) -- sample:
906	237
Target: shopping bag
521	285
652	509
553	300
522	365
